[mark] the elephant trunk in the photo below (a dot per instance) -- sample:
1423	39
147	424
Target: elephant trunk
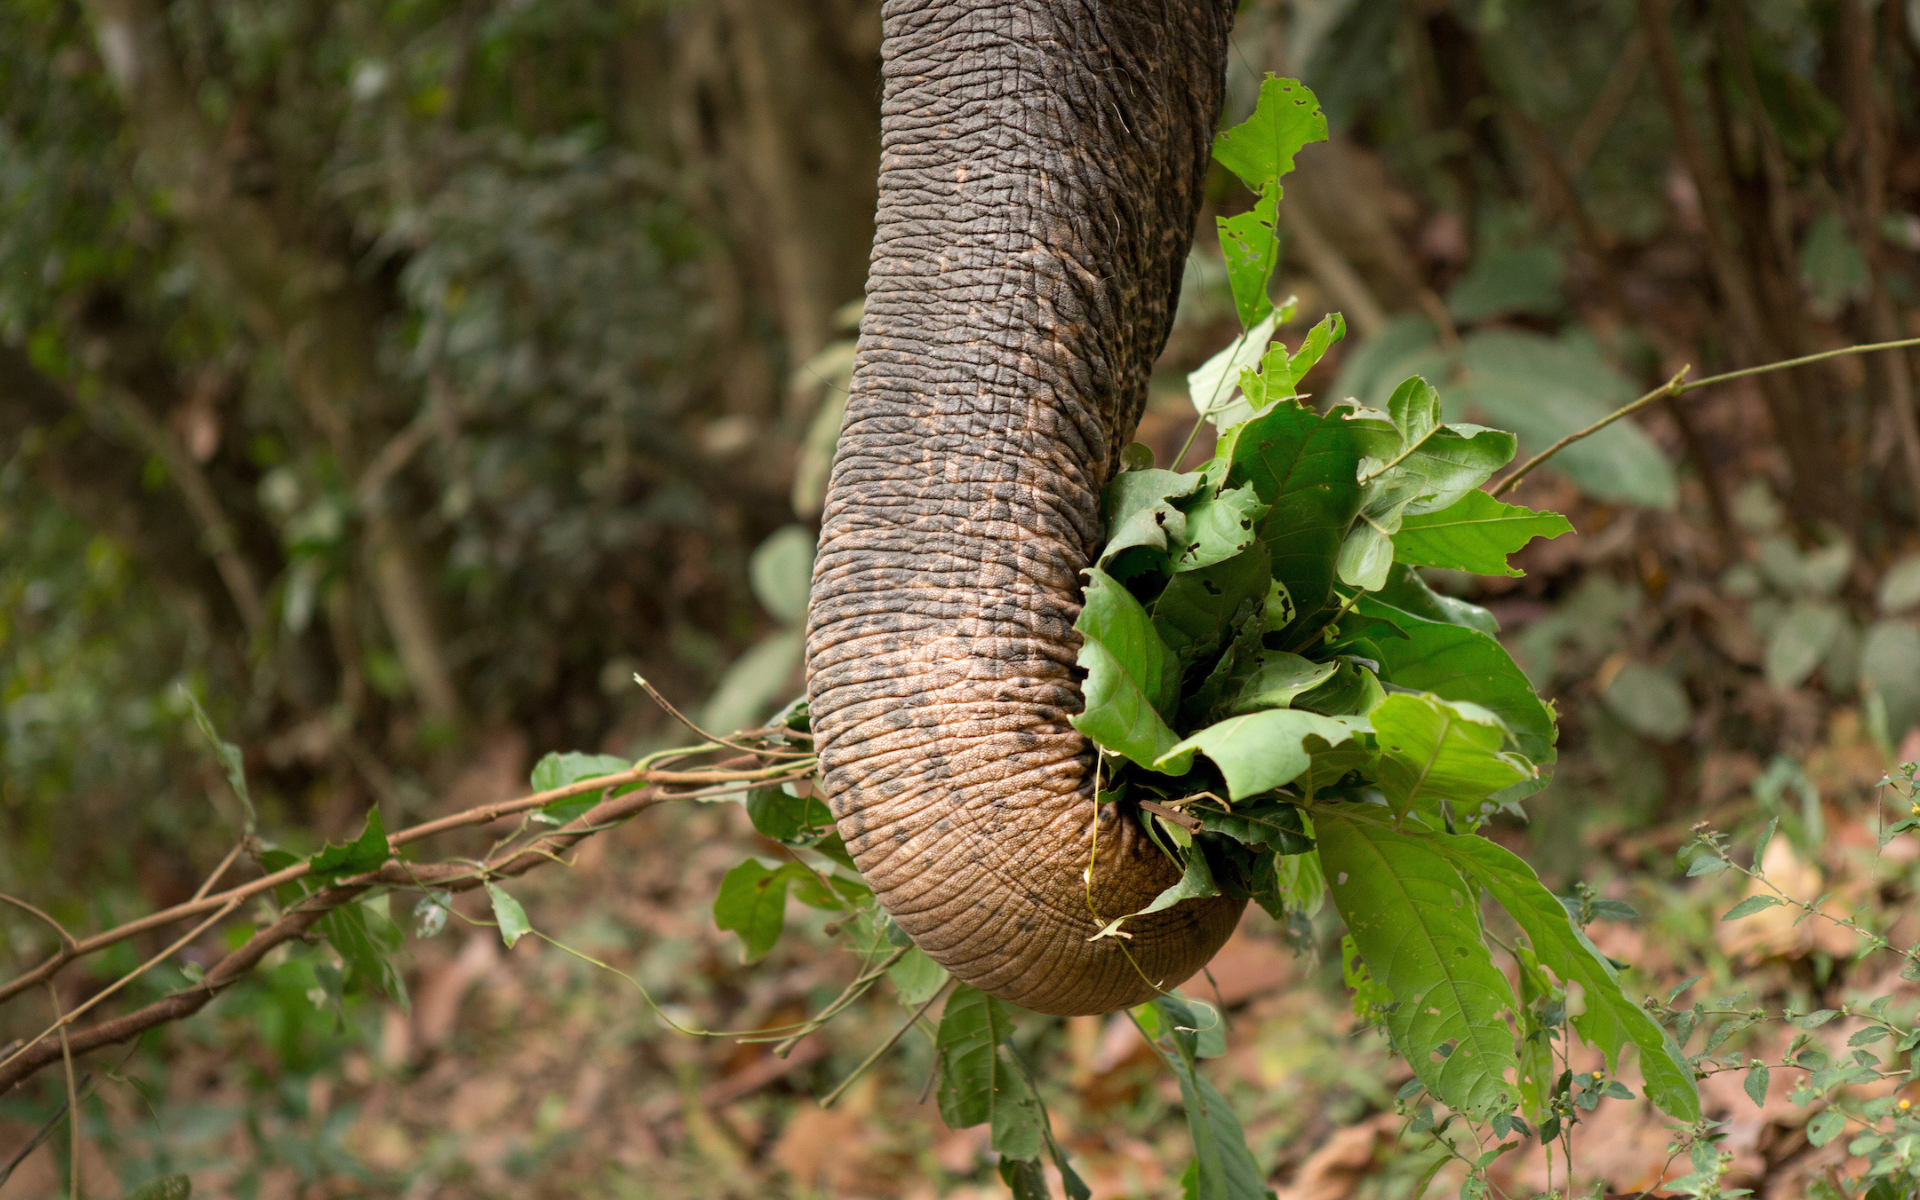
1041	168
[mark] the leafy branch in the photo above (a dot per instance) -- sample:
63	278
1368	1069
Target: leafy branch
373	861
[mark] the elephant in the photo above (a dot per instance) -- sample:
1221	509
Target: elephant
1042	164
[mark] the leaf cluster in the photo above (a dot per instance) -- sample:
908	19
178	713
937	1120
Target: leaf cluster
1267	676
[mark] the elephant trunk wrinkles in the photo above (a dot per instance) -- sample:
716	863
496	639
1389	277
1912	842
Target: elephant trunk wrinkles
1041	166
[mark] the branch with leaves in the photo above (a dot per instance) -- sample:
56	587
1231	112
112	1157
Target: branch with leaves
321	888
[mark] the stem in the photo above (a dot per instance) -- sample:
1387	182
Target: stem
1674	387
827	1100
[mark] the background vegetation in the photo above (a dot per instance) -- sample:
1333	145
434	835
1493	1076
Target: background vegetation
403	378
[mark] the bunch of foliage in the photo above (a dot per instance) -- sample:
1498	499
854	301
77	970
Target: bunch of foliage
1285	701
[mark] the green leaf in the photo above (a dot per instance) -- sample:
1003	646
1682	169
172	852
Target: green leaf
1502	282
979	1082
1409	593
1799	642
1196	612
1138	510
1890	665
1025	1179
1261	148
1305	466
1752	905
752	902
1457	663
1272	679
558	770
167	1187
1194	882
1648	701
1827	1126
1475	533
1270	823
1211	385
796	820
1900	587
781	572
1445	464
1352	691
229	755
1415	923
1250	243
1365	556
1224	1168
1432	750
366	938
1256	752
755	683
509	915
1132	678
917	978
1219	527
365	853
1610	1020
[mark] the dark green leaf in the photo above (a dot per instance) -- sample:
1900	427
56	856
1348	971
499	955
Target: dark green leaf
779	814
1194	615
366	938
1475	533
1271	823
979	1082
1272	679
1305	466
1025	1178
229	755
1352	691
1132	678
1224	1169
365	853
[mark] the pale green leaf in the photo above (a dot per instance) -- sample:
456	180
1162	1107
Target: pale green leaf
509	915
781	572
1218	526
1432	750
1649	701
1476	533
1256	752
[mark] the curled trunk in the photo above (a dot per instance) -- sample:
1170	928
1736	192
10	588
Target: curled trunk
1041	166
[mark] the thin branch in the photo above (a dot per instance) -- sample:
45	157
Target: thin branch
827	1100
1675	387
299	919
481	815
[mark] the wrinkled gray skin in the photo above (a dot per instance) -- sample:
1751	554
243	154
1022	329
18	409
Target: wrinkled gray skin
1041	167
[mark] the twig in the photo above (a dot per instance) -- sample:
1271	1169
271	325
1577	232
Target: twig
681	717
827	1100
73	1100
1675	387
220	870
